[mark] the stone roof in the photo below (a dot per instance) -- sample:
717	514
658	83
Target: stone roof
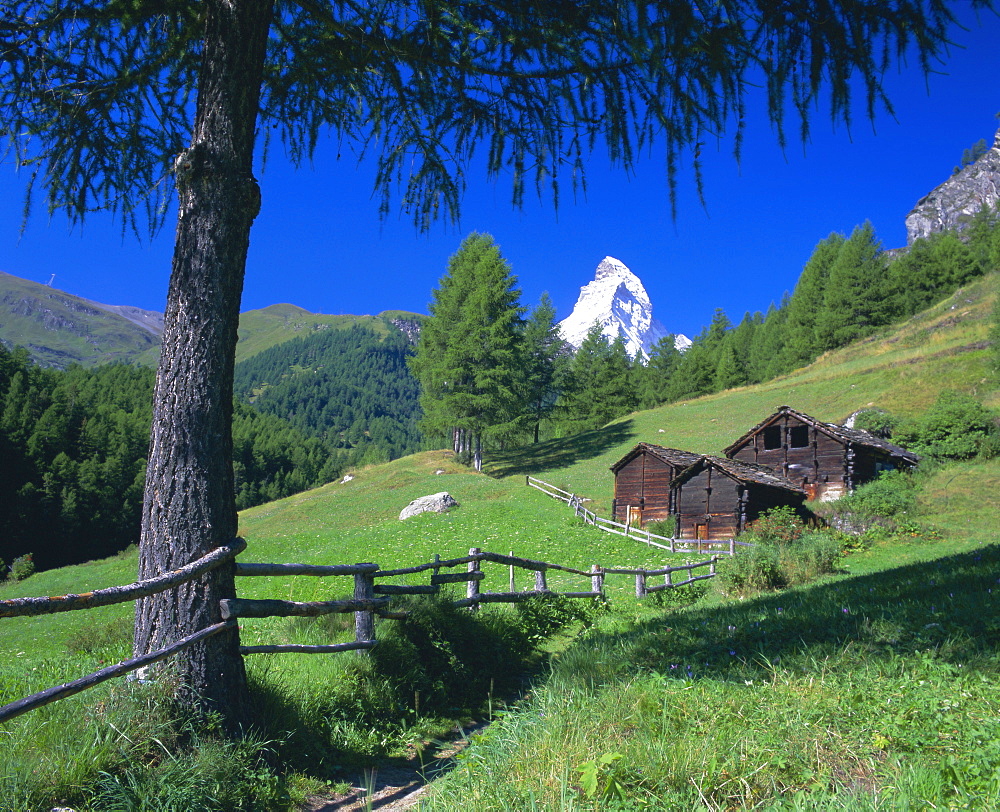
742	471
671	456
838	432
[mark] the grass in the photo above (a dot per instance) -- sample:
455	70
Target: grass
876	691
784	700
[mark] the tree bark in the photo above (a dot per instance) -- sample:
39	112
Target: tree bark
188	506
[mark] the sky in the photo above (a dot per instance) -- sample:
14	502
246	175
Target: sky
319	242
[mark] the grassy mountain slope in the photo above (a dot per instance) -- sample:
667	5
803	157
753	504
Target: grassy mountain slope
278	323
902	370
59	329
873	685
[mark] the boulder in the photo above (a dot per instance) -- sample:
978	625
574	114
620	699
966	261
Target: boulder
436	502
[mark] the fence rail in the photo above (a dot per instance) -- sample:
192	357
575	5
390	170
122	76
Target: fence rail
672	545
365	604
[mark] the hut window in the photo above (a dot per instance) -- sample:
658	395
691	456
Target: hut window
798	436
772	438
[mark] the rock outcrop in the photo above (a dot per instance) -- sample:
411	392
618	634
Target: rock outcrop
437	503
953	204
617	300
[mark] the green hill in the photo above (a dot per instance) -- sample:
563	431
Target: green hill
60	329
278	323
875	683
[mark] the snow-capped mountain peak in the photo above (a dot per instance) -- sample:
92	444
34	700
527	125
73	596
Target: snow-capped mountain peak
617	300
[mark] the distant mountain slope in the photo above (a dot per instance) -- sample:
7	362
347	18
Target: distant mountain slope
265	328
349	387
60	329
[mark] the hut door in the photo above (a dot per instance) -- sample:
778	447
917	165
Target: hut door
634	516
701	532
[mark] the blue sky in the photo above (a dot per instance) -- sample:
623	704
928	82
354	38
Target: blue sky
318	242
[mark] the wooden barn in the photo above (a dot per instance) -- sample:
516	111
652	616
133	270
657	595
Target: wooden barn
642	483
717	498
825	459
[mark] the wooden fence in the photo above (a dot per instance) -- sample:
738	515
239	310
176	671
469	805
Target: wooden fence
672	545
370	598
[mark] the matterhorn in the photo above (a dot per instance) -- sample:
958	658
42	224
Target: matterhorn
618	302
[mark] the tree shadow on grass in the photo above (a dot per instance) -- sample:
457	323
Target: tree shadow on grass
559	453
948	606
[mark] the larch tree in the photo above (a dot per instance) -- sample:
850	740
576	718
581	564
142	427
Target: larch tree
546	356
469	357
123	104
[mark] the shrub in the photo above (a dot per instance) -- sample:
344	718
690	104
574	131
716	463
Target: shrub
956	427
876	421
752	569
814	554
779	525
22	567
892	494
782	554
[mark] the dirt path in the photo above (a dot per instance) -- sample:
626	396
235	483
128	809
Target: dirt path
400	783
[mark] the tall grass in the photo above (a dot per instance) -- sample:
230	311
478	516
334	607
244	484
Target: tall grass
874	689
877	692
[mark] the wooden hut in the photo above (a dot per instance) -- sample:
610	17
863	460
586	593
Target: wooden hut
825	459
642	483
717	498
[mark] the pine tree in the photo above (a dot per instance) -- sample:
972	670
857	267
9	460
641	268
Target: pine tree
856	300
801	344
654	377
546	357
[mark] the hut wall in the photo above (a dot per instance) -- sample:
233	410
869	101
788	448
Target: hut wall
644	484
762	498
802	454
711	500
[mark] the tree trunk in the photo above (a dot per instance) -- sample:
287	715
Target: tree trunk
188	506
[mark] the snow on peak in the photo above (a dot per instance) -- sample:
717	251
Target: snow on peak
617	300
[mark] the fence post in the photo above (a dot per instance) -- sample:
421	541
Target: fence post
364	621
511	572
668	579
673	542
540	585
472	590
732	546
711	567
596	579
640	584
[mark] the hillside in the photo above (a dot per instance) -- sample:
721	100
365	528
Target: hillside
278	323
902	370
60	329
742	702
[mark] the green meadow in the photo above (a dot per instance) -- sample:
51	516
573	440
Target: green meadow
873	688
